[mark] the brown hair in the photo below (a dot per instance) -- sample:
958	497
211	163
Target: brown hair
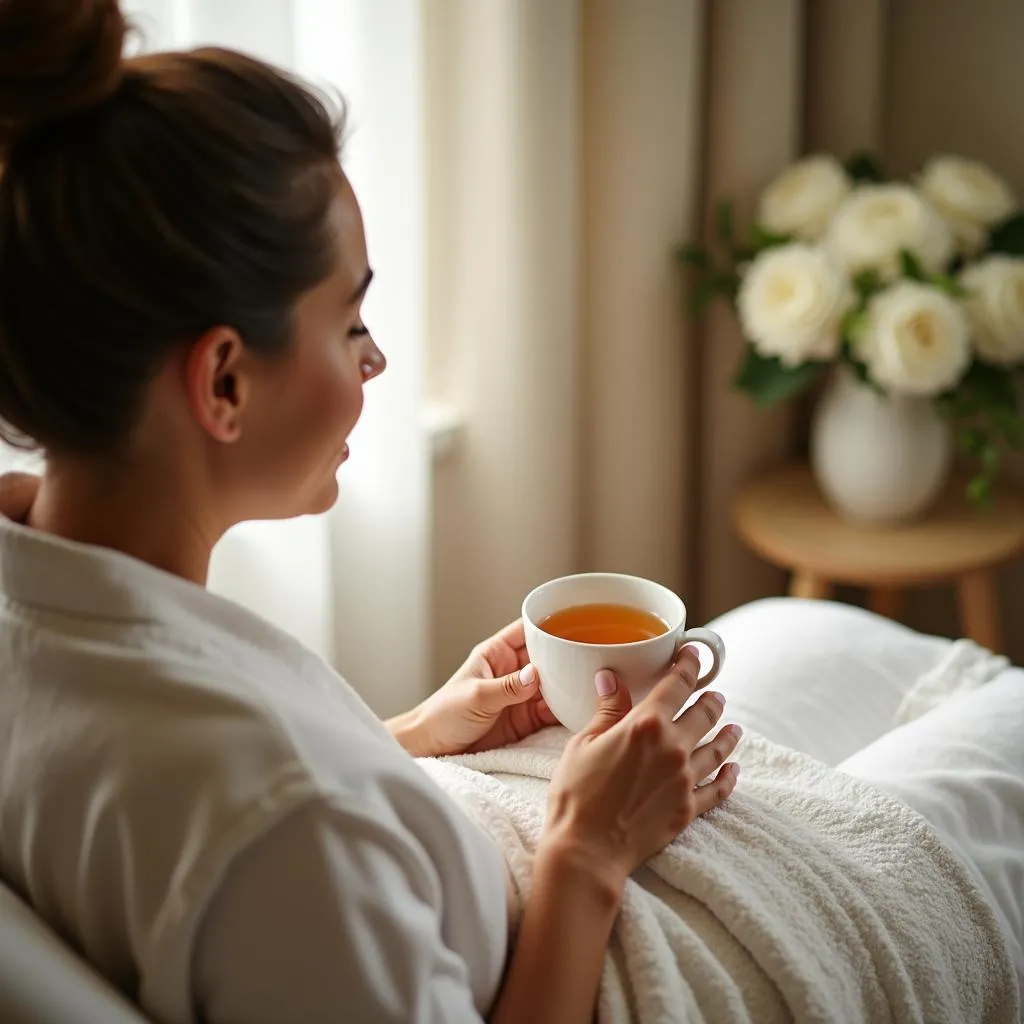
142	202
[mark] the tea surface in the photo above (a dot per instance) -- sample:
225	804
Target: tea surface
603	624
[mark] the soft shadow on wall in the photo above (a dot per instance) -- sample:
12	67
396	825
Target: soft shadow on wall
953	84
563	170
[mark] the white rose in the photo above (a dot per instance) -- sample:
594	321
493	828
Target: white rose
875	222
791	301
971	197
916	340
995	308
801	201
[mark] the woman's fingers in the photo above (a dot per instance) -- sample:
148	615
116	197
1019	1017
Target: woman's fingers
544	714
700	718
613	703
513	635
678	685
718	789
707	759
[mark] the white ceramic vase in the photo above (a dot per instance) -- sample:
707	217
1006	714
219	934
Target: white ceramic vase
878	459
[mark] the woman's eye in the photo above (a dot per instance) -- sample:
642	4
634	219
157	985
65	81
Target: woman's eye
359	331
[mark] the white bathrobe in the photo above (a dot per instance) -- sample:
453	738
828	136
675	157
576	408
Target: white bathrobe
216	820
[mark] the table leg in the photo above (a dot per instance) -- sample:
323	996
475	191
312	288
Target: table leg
978	597
809	584
887	601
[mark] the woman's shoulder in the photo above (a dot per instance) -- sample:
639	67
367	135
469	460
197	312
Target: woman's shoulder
145	756
154	751
181	698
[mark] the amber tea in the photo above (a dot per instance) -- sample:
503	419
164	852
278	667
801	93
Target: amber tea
603	624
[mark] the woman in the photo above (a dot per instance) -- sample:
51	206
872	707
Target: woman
194	801
197	803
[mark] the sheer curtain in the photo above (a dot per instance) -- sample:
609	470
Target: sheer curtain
351	585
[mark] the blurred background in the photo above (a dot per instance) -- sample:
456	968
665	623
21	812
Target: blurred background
527	169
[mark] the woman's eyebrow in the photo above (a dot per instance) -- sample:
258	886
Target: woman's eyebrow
363	285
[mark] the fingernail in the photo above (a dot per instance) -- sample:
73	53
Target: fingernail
605	683
717	697
737	731
527	676
735	770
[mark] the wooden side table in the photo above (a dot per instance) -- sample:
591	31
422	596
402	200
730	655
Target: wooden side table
783	517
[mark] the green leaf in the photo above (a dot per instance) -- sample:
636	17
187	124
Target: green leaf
972	441
852	325
984	407
858	368
724	224
767	381
1008	238
992	386
860	373
728	283
979	490
722	284
703	295
694	256
950	285
864	167
762	239
912	266
866	283
1010	427
989	458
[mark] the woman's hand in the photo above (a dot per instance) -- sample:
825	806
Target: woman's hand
624	788
630	782
492	701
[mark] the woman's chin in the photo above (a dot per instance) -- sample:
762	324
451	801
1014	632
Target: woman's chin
326	499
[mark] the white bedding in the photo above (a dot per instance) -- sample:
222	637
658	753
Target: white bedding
810	896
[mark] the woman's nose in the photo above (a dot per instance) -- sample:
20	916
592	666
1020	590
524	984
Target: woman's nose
374	363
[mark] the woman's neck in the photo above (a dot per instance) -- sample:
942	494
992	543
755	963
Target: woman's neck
142	512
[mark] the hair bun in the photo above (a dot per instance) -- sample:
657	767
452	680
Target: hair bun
57	57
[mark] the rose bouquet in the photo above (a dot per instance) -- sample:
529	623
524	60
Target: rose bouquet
917	288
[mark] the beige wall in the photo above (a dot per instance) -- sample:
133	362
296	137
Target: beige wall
955	82
557	328
503	319
954	76
752	126
642	68
583	139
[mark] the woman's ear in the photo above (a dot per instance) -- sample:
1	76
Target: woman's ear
217	383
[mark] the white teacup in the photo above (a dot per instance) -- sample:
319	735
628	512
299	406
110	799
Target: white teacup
567	667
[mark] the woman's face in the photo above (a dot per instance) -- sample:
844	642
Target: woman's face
305	403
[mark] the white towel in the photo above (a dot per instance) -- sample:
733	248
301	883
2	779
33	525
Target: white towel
808	896
966	666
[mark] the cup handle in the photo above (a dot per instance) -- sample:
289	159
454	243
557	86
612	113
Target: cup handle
713	642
